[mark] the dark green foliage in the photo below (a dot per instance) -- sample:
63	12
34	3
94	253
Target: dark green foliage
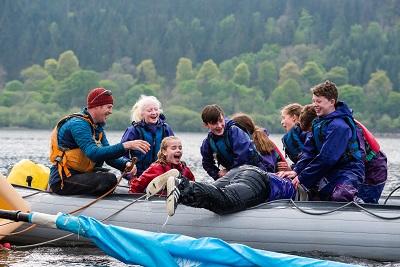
249	56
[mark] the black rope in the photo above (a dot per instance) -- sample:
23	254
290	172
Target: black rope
391	193
329	211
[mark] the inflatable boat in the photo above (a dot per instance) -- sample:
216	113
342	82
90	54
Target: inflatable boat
350	229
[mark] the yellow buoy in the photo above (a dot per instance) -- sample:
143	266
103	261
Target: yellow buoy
29	174
10	200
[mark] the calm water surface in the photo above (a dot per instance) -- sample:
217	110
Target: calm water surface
34	145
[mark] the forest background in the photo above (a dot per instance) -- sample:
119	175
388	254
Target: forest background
253	56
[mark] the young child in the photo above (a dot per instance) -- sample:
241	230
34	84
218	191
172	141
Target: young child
331	159
226	143
293	140
271	156
307	115
148	123
169	157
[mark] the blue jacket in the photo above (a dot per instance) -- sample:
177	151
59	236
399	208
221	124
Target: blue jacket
293	143
153	134
77	132
235	148
326	156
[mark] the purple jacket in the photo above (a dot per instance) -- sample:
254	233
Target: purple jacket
240	148
152	133
327	159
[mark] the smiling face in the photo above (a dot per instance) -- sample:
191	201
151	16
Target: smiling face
173	152
216	128
322	105
101	113
151	113
288	121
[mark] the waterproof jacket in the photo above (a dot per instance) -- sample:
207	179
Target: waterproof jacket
234	148
293	143
138	185
332	151
153	134
78	133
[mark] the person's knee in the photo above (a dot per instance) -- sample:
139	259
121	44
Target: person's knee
344	193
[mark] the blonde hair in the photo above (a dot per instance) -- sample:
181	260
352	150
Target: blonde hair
161	157
139	106
264	145
292	109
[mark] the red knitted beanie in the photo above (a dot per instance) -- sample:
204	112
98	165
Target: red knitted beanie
99	97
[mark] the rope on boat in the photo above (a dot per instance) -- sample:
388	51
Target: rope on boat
68	235
126	170
353	203
391	193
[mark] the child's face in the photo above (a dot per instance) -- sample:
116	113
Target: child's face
288	121
322	105
151	113
173	153
218	127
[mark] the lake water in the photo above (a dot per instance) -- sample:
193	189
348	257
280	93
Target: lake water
34	145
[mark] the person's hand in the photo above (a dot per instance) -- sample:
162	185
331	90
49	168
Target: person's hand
222	172
287	174
283	166
140	145
296	182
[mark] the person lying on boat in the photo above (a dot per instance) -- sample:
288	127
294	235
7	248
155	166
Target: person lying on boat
294	138
148	124
79	147
225	143
270	154
240	188
169	157
331	158
376	170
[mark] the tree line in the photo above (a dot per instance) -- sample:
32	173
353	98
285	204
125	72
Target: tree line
249	56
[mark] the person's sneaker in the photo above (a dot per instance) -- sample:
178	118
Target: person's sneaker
159	183
173	195
301	194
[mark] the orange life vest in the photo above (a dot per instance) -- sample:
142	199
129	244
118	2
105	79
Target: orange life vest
66	158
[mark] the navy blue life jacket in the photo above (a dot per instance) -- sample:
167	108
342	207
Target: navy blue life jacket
293	144
353	148
154	139
223	152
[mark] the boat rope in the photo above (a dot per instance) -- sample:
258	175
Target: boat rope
68	235
391	193
119	179
352	203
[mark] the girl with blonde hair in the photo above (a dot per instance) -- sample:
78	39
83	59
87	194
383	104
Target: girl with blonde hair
169	157
148	124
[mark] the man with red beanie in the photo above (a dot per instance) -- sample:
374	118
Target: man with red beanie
79	148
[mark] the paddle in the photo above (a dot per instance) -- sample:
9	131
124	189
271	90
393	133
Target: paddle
158	249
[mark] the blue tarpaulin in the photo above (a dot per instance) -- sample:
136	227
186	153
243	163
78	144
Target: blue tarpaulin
159	249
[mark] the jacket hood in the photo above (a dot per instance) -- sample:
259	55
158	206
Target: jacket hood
342	110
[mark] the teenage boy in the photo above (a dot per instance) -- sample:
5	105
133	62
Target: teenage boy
331	162
226	143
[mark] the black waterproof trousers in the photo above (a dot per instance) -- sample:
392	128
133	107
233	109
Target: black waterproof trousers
91	183
239	189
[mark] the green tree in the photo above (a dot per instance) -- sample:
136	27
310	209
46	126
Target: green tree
289	71
51	66
184	70
338	75
73	90
304	31
312	73
68	63
353	96
208	71
147	71
267	76
288	92
242	74
14	86
377	91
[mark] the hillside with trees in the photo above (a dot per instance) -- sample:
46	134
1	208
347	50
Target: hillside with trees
248	56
